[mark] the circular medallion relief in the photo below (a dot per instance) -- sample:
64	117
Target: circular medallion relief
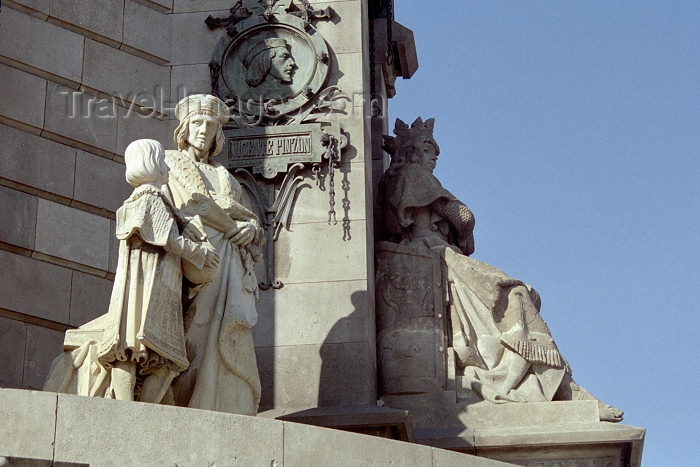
272	68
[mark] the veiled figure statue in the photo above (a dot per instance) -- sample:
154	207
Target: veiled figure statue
503	348
222	373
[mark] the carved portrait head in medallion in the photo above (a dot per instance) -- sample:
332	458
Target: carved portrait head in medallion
269	60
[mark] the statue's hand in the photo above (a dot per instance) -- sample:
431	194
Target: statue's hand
212	259
242	233
193	232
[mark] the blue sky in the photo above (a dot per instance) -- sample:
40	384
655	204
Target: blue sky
572	130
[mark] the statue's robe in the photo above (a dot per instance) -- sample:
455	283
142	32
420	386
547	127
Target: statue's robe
223	372
144	322
494	316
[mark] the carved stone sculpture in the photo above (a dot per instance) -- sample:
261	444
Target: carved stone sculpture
134	351
269	66
223	373
138	347
411	338
272	62
503	350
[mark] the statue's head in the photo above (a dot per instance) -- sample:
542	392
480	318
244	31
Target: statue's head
201	118
145	163
414	145
272	57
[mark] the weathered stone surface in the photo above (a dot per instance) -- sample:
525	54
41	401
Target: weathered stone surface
484	414
126	77
72	234
100	182
556	433
363	419
534	433
37	162
98	17
166	4
132	125
22	96
593	443
40	6
316	375
74	116
343	33
201	40
410	320
189	79
41	45
43	344
28	423
190	6
13	340
312	253
312	204
18	221
299	314
309	445
34	288
147	30
443	457
89	298
351	78
203	437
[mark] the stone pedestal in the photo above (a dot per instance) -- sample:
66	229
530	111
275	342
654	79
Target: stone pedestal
531	434
44	429
417	374
411	324
368	420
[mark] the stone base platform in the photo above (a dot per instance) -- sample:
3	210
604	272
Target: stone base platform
530	434
365	419
44	429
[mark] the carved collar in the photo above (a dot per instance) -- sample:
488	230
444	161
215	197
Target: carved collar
186	172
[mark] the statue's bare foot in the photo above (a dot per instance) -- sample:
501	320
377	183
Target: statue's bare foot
608	413
569	390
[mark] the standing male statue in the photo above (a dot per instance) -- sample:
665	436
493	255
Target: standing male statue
204	337
223	373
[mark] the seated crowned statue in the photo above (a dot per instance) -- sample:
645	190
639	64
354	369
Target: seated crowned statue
503	348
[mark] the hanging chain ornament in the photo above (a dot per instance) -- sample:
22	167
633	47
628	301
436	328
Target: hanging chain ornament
333	156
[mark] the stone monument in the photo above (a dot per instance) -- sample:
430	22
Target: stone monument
503	349
145	336
454	333
137	348
292	95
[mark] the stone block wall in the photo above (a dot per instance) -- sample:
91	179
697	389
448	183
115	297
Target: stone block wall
315	336
80	79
